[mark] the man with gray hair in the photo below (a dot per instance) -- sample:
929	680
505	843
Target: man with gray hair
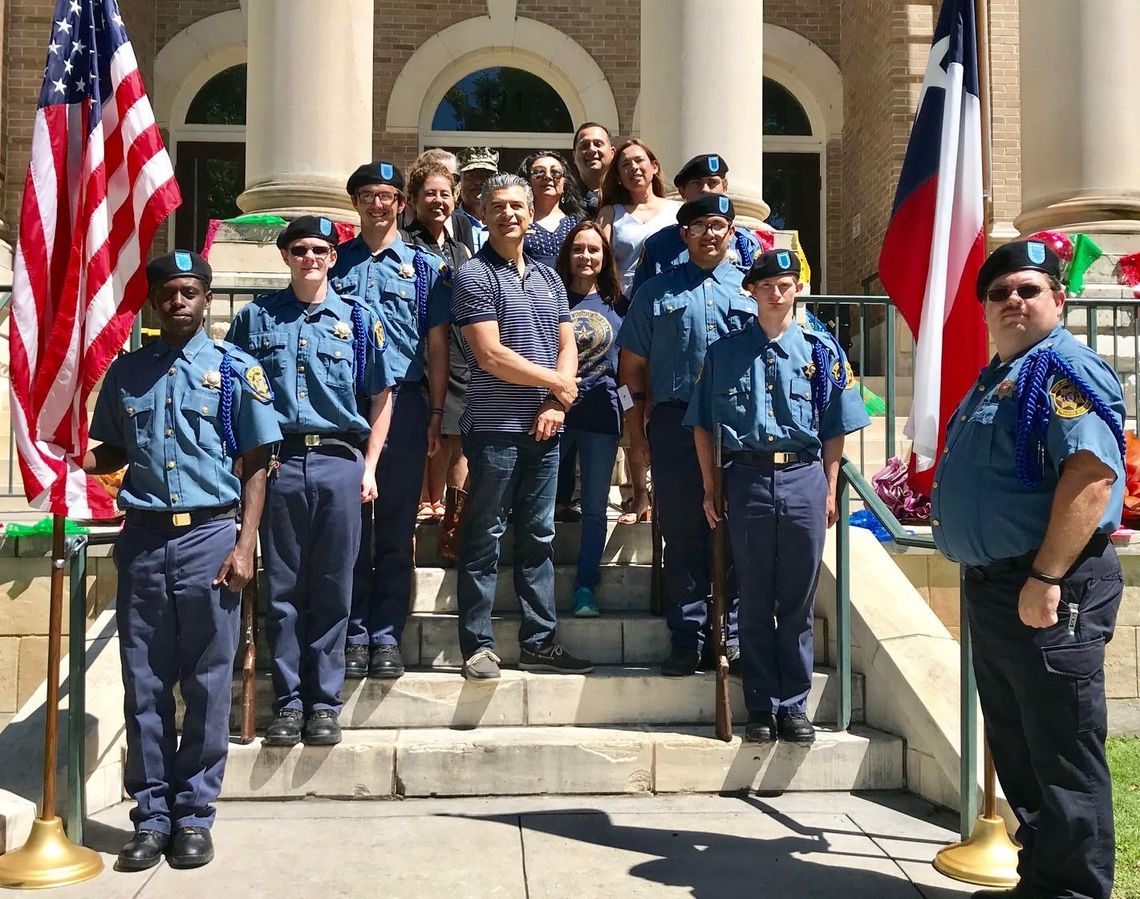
520	347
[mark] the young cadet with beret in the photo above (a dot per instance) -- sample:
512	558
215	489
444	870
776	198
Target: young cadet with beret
400	283
1029	488
671	322
784	397
178	413
319	350
707	173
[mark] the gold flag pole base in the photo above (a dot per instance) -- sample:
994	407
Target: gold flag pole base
48	859
988	858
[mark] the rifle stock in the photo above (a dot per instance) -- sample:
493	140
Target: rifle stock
718	611
656	575
249	658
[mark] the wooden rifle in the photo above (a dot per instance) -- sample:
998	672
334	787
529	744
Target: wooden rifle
719	600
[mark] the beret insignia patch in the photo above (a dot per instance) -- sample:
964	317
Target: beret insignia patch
1068	401
183	261
1036	251
255	378
714	163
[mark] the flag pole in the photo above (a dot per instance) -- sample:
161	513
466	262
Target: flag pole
49	858
989	856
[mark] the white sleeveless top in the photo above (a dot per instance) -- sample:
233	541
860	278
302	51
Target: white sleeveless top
629	236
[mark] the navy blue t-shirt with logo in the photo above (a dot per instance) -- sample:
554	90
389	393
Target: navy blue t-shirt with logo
596	324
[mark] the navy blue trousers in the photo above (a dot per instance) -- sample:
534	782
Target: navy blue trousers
777	521
175	628
382	581
310	535
1046	719
685	532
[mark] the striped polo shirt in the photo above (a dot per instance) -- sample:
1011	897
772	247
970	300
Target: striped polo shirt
529	310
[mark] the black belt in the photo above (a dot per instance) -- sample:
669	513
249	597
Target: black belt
300	443
168	519
1024	562
776	460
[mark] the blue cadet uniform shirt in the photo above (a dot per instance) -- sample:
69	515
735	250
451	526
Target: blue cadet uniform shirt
387	281
760	391
676	315
163	405
666	249
309	354
981	511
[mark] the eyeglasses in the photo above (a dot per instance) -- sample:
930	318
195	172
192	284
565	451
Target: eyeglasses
717	228
384	197
553	174
1025	291
320	251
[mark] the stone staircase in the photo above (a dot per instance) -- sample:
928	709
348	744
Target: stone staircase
621	729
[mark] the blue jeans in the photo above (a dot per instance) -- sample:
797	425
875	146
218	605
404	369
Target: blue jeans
596	455
509	474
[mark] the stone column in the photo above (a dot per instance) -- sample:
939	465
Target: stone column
1080	123
309	108
702	77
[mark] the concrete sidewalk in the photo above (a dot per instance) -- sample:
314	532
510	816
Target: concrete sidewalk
801	845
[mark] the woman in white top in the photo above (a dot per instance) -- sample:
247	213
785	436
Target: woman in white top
633	206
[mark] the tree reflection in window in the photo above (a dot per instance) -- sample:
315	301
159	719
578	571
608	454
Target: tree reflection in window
783	114
221	101
502	99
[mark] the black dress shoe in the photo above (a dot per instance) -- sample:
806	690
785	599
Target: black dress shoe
355	662
322	728
386	662
761	728
191	847
795	728
681	663
143	850
285	729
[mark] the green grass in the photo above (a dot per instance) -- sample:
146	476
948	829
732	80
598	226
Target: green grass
1124	762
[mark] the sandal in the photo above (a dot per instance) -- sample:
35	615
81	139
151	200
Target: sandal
426	512
630	515
437	510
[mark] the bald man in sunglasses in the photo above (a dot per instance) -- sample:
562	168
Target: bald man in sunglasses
1029	488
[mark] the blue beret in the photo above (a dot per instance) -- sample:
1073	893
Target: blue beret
379	172
308	226
706	204
1020	255
179	264
773	264
704	166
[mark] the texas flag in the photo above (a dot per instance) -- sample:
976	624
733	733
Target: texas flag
934	244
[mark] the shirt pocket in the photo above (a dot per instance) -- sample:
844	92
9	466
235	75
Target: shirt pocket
140	419
799	400
269	349
335	358
671	328
202	410
741	310
981	422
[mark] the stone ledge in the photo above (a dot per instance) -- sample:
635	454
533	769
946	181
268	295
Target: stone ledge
16	817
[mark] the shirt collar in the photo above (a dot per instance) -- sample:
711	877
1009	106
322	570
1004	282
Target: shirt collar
718	274
188	351
1047	341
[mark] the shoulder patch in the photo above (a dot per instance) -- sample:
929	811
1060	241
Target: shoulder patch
847	370
254	377
1068	401
378	334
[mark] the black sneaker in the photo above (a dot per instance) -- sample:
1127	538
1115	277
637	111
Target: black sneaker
322	728
795	728
761	728
355	662
681	663
285	729
552	657
386	662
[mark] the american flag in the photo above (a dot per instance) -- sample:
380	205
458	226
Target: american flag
99	183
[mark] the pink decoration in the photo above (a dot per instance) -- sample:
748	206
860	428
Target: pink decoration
211	231
891	487
1060	243
767	238
1130	272
345	231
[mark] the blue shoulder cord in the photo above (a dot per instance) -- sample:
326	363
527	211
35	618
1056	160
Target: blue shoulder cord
225	370
745	250
1033	412
360	354
421	266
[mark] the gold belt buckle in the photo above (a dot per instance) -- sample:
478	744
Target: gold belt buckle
781	458
180	519
312	440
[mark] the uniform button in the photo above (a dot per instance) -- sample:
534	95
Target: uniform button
300	368
205	410
769	388
945	450
981	388
170	466
961	418
174	497
770	439
170	372
936	523
302	394
403	293
169	432
934	486
304	342
712	327
169	400
265	343
337	354
770	413
130	410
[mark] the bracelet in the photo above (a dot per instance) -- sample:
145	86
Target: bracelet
437	410
1046	578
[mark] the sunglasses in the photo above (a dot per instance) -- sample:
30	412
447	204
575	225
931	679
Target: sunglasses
1025	291
301	252
553	174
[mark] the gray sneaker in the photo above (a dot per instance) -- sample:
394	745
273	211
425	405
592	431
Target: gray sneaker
483	665
552	657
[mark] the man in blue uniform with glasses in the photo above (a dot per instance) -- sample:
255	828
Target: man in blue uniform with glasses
1028	489
179	413
319	350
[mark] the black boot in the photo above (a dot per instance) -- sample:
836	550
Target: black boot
192	847
355	662
386	662
143	850
285	729
322	728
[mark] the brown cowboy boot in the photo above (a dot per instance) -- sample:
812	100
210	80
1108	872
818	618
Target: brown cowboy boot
448	546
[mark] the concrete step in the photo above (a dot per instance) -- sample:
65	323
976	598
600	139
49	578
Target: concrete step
521	761
431	640
623	696
626	544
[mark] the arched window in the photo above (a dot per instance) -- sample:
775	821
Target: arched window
510	109
221	100
783	114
